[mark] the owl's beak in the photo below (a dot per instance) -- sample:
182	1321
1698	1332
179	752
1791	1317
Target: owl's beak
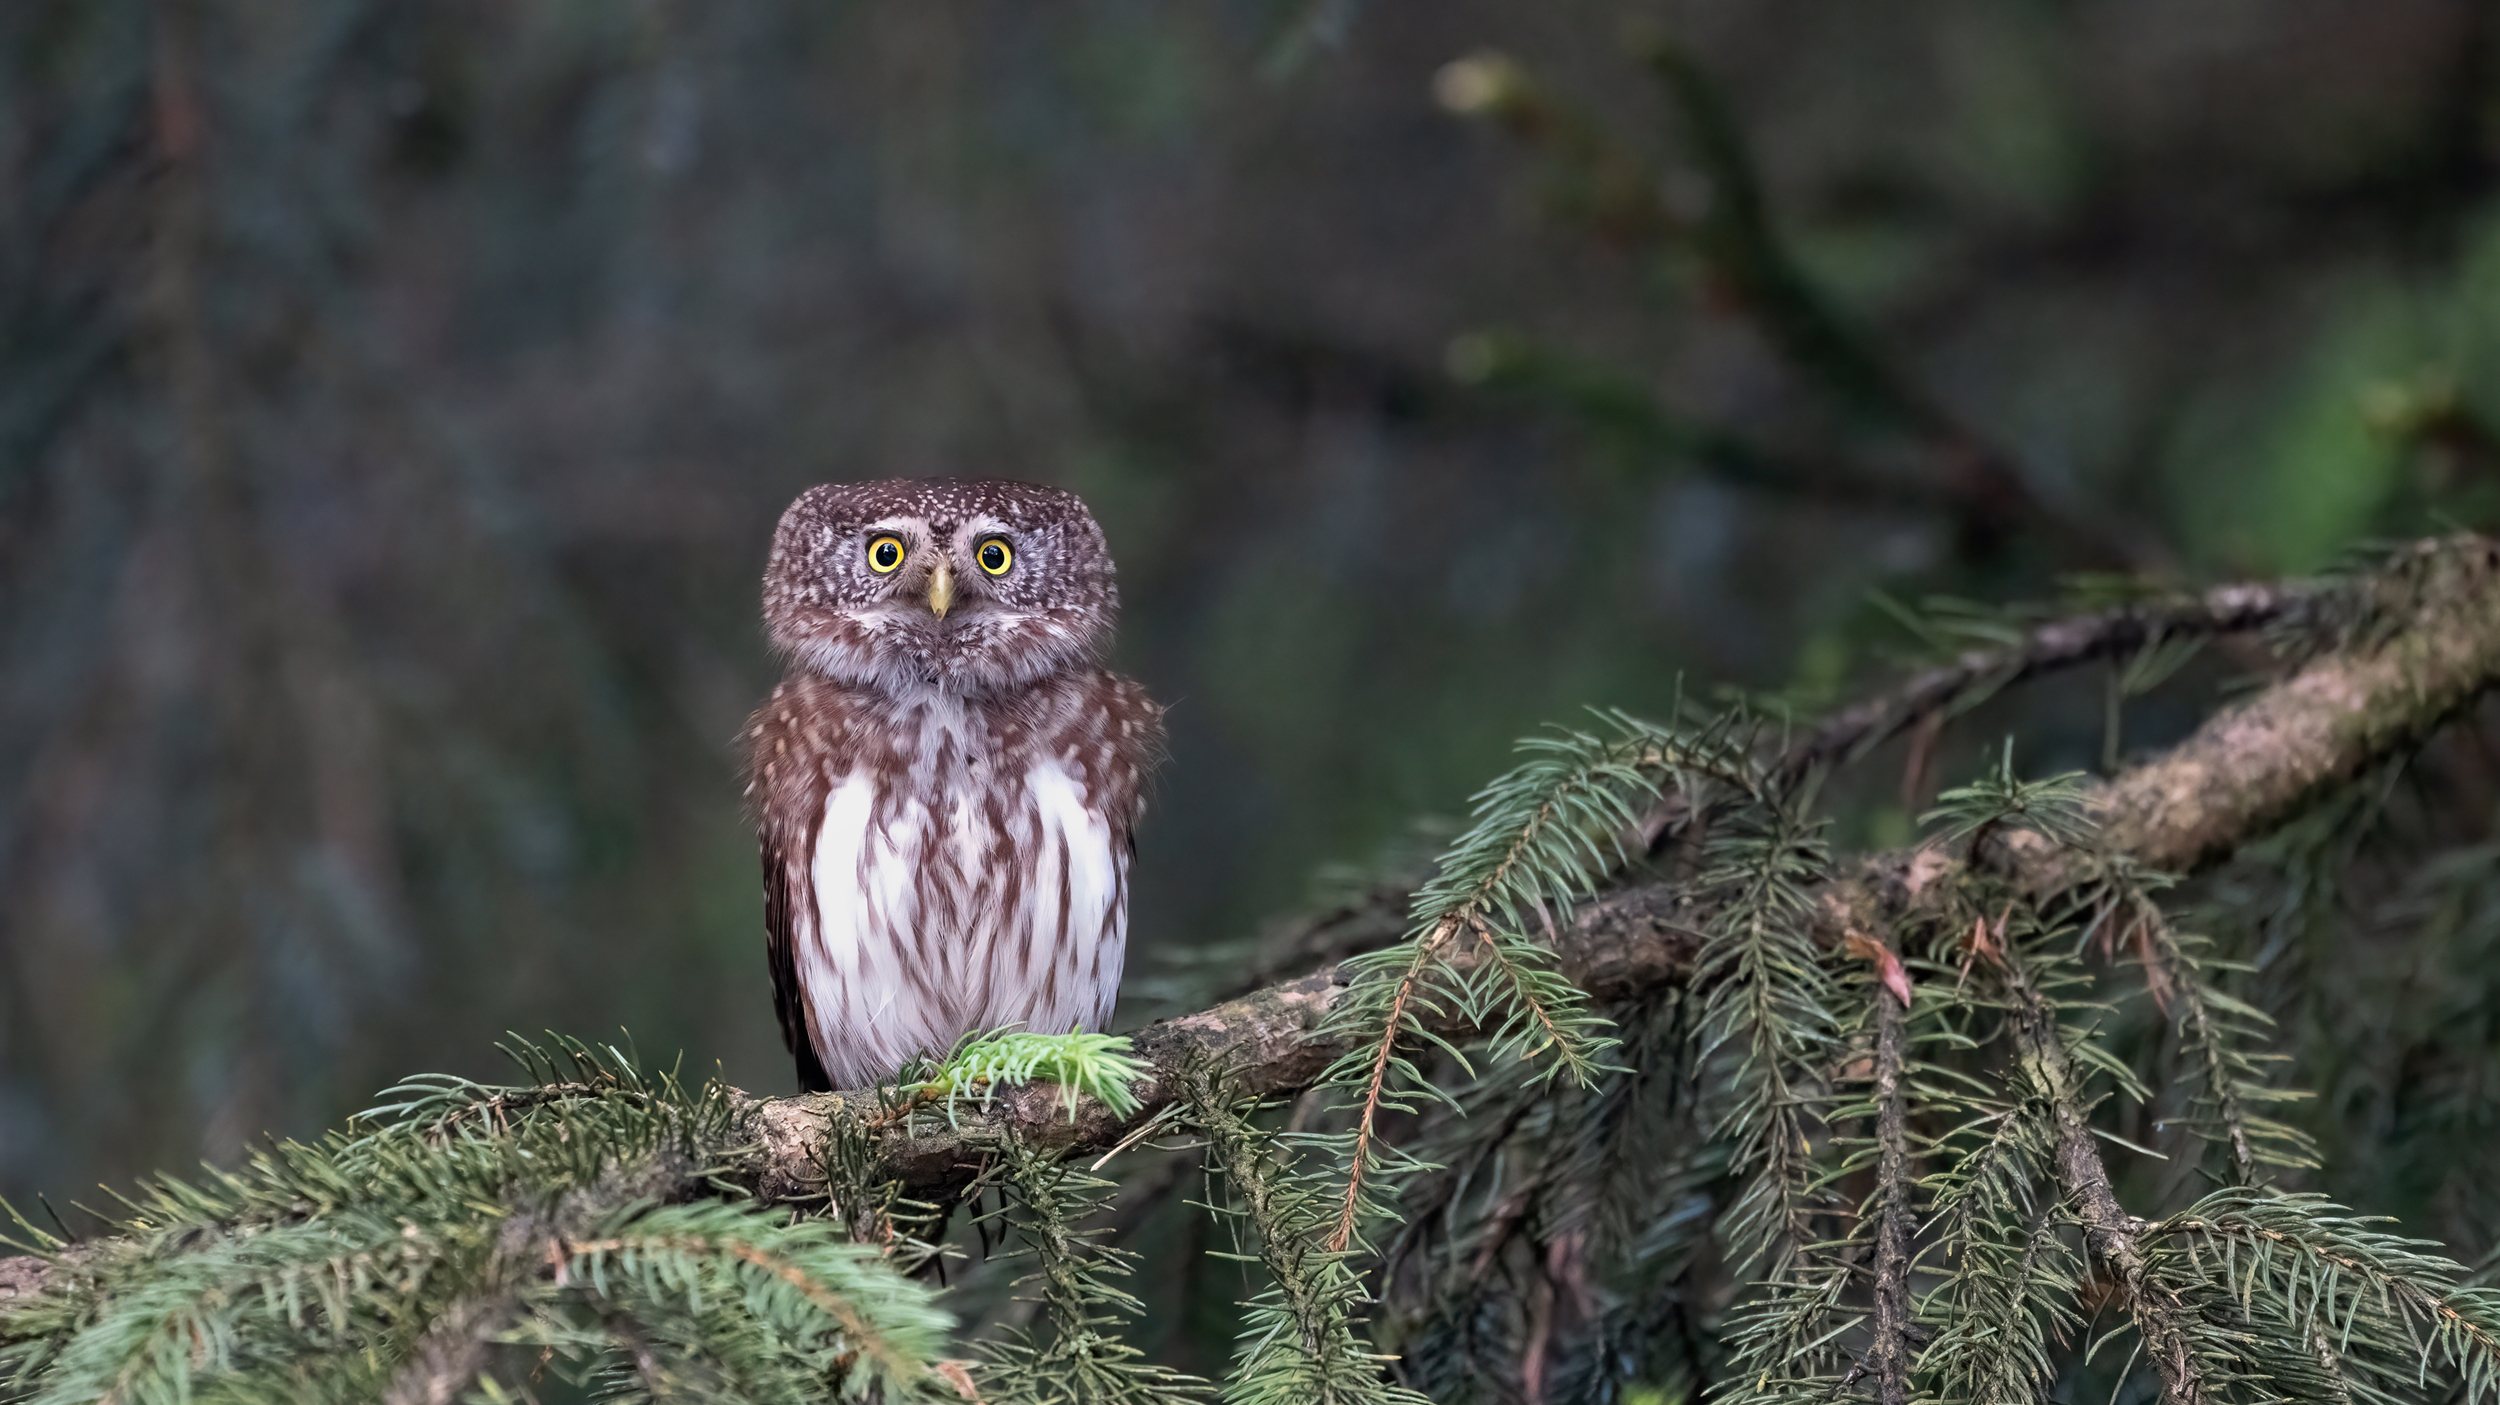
941	588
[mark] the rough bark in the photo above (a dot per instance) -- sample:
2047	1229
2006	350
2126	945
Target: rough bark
2430	646
1896	1226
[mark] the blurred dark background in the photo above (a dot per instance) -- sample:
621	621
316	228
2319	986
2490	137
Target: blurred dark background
396	399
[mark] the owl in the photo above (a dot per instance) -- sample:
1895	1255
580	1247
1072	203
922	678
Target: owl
945	781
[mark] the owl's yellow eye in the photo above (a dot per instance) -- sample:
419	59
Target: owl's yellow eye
884	554
994	557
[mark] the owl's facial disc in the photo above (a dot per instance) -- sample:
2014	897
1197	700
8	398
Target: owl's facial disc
966	588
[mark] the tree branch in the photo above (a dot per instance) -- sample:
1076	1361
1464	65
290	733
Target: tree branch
1852	732
2248	769
2114	1237
1896	1223
2435	647
2435	615
1378	916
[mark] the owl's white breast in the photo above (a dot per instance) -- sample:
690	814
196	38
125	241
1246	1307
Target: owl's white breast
1077	901
940	912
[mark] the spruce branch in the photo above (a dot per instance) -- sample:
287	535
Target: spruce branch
2113	1236
603	1136
2217	1031
2299	617
1543	1258
2425	641
2428	643
1376	1090
657	1243
1083	1361
394	1258
1089	1066
2010	1279
454	1350
2437	645
2370	1309
1768	1015
1299	1339
1788	1335
1545	835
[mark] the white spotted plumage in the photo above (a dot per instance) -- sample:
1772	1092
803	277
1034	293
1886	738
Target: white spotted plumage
946	781
1050	961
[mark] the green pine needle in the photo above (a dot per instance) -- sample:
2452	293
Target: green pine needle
1097	1066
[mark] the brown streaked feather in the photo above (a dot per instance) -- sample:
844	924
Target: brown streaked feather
787	757
1101	729
785	884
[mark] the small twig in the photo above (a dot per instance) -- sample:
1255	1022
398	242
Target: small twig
2114	1237
1375	1087
1467	915
1896	1225
1850	733
1320	1321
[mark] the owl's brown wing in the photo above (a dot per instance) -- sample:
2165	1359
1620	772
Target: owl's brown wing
786	893
1122	746
789	744
1136	732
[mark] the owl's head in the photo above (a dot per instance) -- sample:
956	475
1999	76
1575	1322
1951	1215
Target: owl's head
968	587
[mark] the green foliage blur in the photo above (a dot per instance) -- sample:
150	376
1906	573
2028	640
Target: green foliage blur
395	401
